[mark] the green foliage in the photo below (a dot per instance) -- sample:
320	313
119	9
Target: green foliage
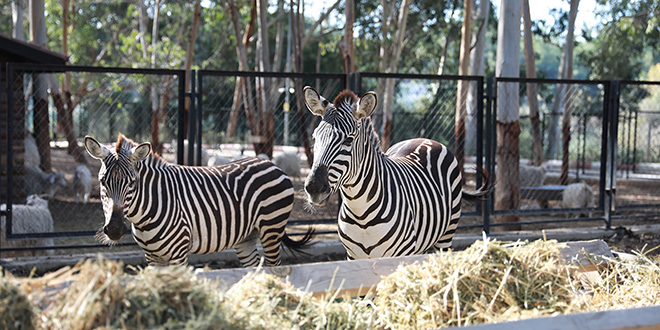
630	28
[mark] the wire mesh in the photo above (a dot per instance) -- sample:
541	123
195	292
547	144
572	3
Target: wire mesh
559	143
57	109
638	152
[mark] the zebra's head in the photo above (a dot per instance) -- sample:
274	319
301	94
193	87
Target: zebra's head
117	177
333	139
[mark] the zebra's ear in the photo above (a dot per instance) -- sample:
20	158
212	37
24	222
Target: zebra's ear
95	149
314	101
140	152
365	106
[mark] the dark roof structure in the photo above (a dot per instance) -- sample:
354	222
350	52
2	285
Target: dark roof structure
24	51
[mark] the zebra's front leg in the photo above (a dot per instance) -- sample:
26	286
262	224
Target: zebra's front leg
247	251
178	258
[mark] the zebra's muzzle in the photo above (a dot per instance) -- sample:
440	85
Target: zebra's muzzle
317	186
115	228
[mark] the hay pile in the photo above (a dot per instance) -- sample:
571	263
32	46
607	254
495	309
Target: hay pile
263	301
101	295
16	311
490	281
626	283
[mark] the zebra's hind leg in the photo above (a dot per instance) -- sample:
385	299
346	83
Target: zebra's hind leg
247	251
271	241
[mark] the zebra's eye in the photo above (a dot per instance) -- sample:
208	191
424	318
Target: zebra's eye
348	141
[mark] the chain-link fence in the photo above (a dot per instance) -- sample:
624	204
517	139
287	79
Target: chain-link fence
57	107
271	121
425	106
548	163
638	153
580	130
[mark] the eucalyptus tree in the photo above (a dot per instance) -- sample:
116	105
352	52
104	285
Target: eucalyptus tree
508	117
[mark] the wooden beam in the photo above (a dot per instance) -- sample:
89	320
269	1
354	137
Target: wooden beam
642	318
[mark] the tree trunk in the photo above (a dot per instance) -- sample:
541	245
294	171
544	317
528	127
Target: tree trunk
41	120
190	55
17	19
461	93
242	83
349	49
263	143
384	55
508	124
530	68
568	110
155	102
296	26
477	68
393	66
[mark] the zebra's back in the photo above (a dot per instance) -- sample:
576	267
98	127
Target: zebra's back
221	207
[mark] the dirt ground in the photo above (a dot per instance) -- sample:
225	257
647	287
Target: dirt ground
75	217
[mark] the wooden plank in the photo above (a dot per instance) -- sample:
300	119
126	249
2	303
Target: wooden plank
353	277
642	318
356	277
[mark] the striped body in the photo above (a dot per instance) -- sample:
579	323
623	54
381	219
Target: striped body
402	202
175	210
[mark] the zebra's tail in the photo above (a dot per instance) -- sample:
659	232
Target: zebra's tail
482	193
298	246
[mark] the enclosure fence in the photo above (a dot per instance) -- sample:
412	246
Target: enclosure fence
602	134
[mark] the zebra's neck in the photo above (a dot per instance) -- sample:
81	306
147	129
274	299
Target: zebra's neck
367	156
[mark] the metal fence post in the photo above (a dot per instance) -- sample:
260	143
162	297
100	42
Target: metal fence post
192	121
353	85
180	137
480	136
196	99
490	161
612	134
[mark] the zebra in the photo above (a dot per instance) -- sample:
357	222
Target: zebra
175	210
402	202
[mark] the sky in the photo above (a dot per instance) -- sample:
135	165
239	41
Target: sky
540	9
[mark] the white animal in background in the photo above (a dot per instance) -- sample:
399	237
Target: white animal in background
264	156
31	217
38	182
531	176
32	157
82	183
577	196
289	162
218	160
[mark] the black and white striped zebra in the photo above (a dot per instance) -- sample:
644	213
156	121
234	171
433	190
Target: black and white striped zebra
176	210
402	202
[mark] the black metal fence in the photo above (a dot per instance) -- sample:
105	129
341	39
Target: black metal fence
611	126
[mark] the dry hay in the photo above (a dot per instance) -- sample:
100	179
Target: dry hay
263	301
101	295
15	308
490	281
629	282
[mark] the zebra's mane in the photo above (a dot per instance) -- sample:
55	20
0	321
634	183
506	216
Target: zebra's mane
124	145
346	97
